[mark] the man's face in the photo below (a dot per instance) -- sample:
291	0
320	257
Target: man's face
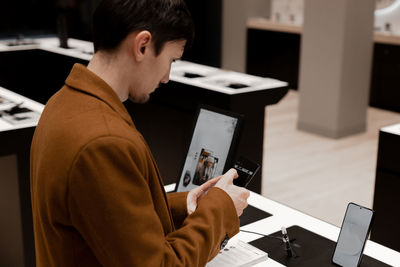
155	70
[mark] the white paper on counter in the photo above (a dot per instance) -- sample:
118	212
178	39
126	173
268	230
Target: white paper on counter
238	254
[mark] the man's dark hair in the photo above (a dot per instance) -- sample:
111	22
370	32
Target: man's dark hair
166	20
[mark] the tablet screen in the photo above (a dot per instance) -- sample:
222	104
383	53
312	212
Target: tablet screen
210	148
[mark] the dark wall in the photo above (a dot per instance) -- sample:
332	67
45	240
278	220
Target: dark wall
78	14
36	74
207	17
27	17
385	79
274	54
37	17
33	17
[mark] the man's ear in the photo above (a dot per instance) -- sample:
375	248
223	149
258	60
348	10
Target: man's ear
141	44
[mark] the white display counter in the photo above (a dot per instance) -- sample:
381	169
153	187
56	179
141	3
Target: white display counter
285	216
30	118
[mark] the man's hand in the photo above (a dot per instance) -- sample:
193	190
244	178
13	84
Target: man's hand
238	194
196	194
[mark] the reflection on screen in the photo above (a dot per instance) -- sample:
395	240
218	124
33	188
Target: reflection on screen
208	150
352	236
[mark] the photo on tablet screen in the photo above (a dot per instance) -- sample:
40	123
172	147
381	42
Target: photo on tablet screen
205	168
212	145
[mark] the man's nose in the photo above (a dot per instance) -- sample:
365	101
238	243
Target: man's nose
165	79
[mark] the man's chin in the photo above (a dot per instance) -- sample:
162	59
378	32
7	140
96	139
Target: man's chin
140	100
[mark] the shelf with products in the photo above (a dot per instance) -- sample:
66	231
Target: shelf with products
258	23
273	50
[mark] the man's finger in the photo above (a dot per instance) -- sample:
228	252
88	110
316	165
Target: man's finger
210	183
235	174
191	207
193	197
231	173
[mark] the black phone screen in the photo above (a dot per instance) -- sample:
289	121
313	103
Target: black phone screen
246	170
353	234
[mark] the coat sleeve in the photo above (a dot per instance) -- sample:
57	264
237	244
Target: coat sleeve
178	205
111	206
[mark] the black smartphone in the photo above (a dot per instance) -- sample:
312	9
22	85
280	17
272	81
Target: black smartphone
353	235
246	170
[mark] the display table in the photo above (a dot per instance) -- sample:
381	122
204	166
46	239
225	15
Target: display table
18	119
166	121
387	184
288	217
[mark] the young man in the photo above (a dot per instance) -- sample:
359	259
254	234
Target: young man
97	195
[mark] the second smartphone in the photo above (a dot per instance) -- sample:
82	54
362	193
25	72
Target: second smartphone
246	170
353	235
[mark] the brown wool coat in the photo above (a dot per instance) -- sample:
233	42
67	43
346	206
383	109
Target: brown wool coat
97	195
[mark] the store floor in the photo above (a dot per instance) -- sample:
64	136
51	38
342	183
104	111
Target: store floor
318	175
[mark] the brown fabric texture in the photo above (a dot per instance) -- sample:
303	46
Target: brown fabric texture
98	197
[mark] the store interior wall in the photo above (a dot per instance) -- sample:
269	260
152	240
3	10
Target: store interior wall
234	31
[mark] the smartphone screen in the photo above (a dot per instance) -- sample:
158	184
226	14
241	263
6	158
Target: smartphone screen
353	234
246	170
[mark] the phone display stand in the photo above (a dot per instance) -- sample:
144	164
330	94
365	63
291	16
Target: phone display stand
309	249
252	214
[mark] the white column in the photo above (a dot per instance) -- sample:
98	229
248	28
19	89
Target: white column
336	56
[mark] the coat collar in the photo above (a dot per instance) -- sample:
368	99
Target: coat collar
84	80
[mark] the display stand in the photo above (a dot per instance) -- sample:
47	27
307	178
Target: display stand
386	223
309	249
16	131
